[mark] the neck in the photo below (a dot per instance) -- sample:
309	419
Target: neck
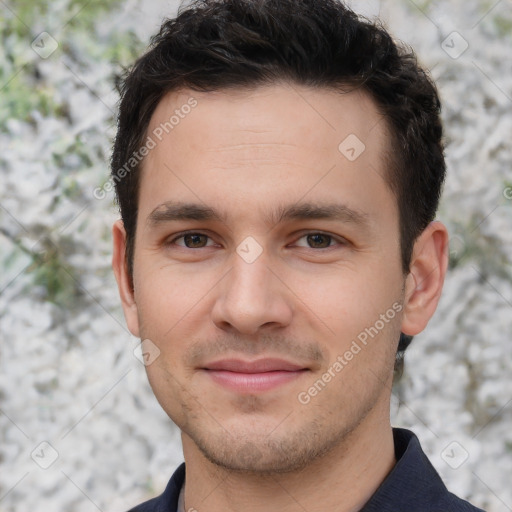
342	480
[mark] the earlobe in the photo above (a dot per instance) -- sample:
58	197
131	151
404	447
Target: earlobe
426	278
124	281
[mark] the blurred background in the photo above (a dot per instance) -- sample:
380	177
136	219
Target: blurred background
79	427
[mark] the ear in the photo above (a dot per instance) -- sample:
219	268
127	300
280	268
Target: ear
123	278
424	283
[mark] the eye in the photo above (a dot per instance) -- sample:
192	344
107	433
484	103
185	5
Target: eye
317	241
195	240
192	240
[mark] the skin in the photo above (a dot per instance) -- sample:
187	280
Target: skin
305	299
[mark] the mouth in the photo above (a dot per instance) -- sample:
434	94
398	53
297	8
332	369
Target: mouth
253	376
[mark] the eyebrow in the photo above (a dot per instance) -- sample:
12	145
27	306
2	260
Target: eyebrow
313	211
180	211
172	211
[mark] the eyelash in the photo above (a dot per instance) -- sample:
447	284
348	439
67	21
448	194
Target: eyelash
332	238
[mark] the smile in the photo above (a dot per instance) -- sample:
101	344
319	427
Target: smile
256	376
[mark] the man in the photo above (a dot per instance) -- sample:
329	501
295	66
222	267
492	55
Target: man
278	165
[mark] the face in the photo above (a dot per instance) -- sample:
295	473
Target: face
267	272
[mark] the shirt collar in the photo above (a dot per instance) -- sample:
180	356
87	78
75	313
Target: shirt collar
411	482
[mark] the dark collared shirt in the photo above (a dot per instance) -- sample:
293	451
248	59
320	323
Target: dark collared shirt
412	486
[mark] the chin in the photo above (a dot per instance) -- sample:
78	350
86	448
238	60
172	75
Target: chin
264	453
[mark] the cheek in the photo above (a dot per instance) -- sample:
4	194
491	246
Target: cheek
347	299
163	305
169	389
174	305
165	294
158	314
356	317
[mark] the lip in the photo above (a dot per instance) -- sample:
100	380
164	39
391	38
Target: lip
258	366
253	376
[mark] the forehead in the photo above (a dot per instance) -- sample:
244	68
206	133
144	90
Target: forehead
266	142
325	116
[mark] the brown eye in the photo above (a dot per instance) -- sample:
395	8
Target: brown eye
195	240
319	241
191	240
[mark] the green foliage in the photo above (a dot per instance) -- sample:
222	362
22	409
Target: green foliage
73	24
50	272
25	90
503	26
470	244
21	15
421	5
19	100
123	48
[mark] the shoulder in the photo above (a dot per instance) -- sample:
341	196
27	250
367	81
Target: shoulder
414	485
168	500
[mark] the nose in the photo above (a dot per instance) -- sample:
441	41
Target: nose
252	297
